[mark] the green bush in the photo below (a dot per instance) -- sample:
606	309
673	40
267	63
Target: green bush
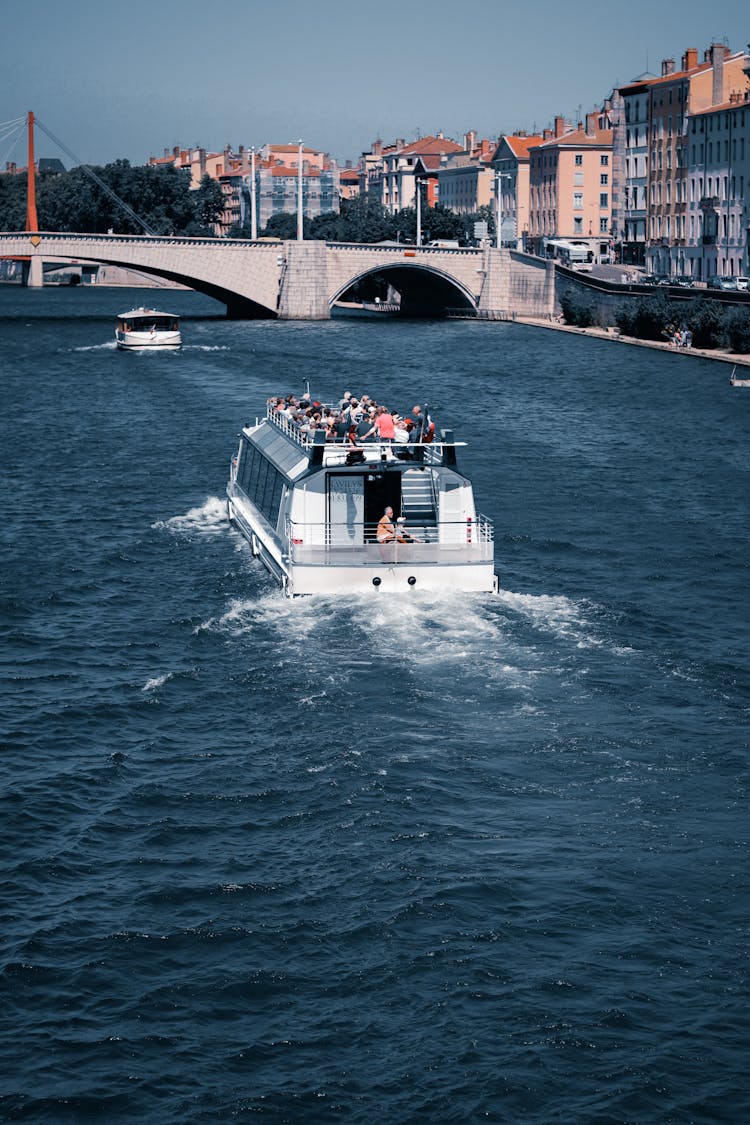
648	318
736	330
705	319
578	308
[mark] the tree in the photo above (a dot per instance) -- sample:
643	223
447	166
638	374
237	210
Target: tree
281	225
736	330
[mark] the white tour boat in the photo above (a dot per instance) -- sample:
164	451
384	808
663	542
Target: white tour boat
147	328
315	513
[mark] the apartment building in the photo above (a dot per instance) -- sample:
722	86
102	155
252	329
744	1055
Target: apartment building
570	189
403	165
718	144
654	231
510	169
465	178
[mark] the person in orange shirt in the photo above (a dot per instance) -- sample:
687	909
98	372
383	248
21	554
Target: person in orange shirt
386	532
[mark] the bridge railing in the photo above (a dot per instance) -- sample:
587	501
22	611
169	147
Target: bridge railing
404	247
142	239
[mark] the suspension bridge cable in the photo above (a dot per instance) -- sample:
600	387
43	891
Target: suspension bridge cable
98	180
17	132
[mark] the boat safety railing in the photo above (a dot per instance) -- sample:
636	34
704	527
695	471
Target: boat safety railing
450	542
347	452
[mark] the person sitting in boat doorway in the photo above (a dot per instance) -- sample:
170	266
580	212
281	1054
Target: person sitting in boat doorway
402	535
386	532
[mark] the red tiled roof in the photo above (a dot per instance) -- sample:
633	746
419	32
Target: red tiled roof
284	172
724	106
289	148
577	138
664	79
520	146
429	145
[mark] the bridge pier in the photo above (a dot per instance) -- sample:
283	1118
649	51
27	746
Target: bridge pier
304	282
33	273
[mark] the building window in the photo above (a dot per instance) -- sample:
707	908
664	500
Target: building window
578	159
604	178
578	200
578	225
604	199
602	226
604	161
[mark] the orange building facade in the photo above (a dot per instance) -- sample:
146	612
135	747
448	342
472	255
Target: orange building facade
570	186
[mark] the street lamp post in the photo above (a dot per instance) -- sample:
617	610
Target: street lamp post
300	213
419	210
253	200
499	177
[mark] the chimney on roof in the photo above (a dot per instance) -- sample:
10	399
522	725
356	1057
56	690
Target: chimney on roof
591	119
667	67
559	126
176	151
377	147
11	166
470	140
166	152
718	54
439	134
690	59
547	135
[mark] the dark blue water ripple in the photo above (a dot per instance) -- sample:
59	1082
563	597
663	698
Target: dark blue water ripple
424	859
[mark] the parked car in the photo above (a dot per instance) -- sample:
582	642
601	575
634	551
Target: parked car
743	284
682	281
722	283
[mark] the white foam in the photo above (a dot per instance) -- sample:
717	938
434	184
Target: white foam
206	348
109	346
157	682
209	519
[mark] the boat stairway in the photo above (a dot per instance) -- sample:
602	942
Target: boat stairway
418	499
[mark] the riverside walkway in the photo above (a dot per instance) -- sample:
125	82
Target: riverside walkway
613	335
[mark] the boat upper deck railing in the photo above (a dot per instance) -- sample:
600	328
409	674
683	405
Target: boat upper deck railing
347	452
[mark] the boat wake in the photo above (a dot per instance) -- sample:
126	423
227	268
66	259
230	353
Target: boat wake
495	639
109	346
206	348
209	519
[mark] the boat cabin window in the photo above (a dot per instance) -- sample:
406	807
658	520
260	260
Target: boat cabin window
147	323
260	481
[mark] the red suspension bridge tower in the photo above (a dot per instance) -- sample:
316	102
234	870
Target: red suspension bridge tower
35	275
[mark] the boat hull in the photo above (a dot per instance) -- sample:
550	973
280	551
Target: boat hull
392	568
137	341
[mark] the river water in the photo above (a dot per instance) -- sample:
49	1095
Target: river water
364	859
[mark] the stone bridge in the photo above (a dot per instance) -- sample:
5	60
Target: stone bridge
304	280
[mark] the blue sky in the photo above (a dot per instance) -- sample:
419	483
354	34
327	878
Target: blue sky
131	79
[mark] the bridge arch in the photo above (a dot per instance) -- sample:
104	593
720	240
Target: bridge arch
424	289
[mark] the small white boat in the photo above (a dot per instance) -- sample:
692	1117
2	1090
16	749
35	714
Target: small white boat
734	382
147	328
318	513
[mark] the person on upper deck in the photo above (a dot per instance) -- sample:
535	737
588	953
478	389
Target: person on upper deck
424	427
383	425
